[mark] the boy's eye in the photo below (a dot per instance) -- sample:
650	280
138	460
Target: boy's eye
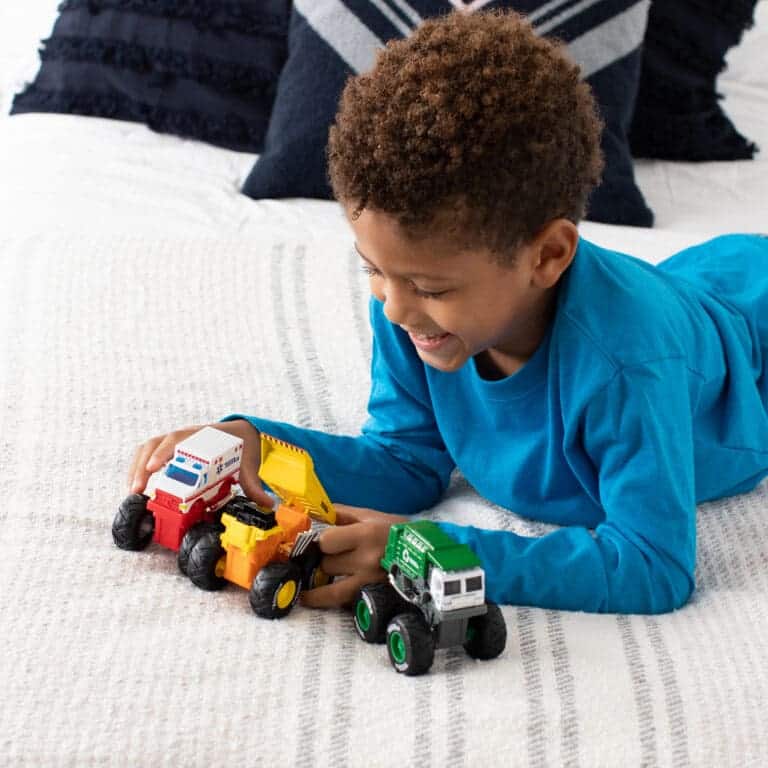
428	294
373	272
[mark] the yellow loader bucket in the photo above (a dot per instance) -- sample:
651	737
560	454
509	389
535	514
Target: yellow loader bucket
289	471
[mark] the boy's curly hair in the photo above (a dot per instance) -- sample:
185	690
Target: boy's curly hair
474	116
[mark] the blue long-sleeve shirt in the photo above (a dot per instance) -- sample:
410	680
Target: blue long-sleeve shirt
648	394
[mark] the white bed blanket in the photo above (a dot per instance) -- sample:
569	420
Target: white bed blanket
113	657
139	292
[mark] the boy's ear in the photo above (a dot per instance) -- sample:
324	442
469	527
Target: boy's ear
555	246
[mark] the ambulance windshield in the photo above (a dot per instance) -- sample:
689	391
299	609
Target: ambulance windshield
182	475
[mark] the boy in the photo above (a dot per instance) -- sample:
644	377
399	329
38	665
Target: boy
568	383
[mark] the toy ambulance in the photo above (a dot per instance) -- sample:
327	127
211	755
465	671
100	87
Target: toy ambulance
192	487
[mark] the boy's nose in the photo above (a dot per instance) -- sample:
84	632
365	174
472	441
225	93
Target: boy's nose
397	306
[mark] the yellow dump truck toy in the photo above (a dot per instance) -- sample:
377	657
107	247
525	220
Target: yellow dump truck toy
271	552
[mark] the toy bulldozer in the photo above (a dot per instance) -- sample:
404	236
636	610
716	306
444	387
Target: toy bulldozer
271	552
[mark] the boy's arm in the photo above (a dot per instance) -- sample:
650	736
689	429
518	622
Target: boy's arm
638	434
398	463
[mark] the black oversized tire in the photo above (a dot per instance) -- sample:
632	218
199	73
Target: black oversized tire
203	559
275	590
409	644
312	575
191	537
375	606
486	634
134	524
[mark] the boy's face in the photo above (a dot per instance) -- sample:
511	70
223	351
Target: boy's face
454	302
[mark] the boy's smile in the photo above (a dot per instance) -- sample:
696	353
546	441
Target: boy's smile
457	302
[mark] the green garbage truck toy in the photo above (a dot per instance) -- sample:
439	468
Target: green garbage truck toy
434	598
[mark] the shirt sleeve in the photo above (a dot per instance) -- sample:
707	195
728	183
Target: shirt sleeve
398	463
637	432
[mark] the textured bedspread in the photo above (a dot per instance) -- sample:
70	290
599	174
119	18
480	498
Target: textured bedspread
111	657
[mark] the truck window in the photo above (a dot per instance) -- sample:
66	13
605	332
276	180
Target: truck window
182	475
452	587
474	583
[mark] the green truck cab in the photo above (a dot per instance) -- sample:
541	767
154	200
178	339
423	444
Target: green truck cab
434	598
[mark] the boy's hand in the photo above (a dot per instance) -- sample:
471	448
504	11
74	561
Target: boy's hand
153	454
353	549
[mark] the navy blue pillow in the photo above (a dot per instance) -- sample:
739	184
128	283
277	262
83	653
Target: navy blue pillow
678	114
329	40
204	69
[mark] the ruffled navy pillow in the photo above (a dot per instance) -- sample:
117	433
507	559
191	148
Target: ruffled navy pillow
678	115
329	40
203	69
